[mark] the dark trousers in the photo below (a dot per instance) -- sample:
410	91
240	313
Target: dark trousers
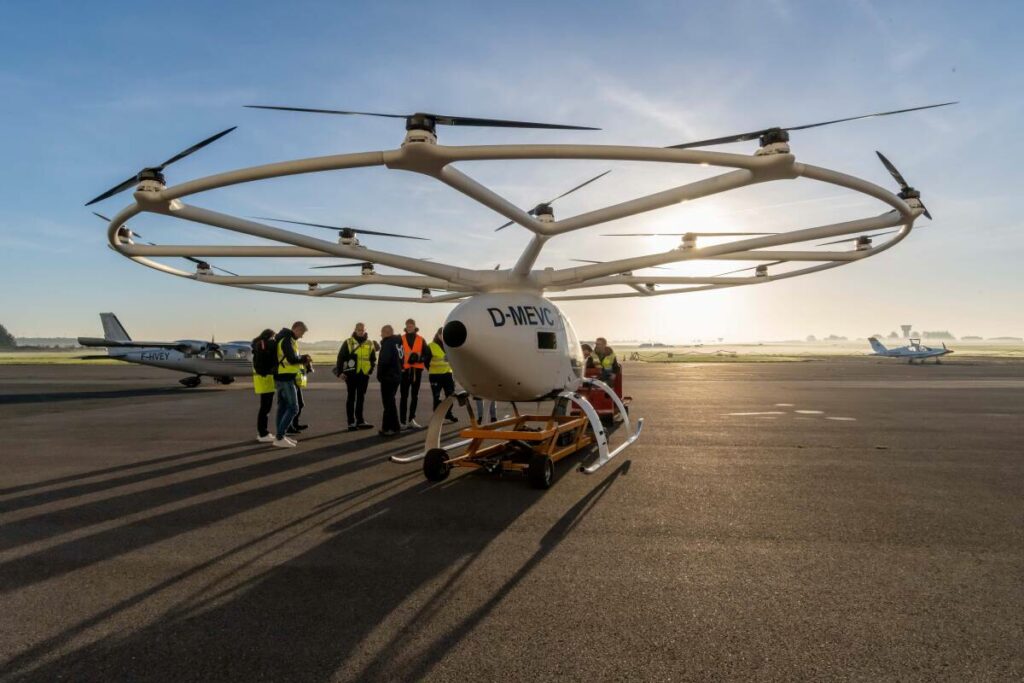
266	403
356	384
300	405
442	382
388	389
410	393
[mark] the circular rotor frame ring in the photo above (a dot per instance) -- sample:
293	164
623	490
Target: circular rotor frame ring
454	283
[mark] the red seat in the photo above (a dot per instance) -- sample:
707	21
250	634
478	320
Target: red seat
602	404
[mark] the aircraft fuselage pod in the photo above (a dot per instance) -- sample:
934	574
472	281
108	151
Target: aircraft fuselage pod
513	346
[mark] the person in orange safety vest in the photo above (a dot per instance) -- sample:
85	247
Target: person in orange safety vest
416	356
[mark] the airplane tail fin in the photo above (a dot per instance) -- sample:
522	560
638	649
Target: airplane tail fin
112	328
877	346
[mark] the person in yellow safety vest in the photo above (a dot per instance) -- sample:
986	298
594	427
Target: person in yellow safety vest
289	364
606	360
264	361
440	373
356	360
413	363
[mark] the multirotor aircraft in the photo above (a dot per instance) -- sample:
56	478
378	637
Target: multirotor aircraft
915	350
506	338
221	361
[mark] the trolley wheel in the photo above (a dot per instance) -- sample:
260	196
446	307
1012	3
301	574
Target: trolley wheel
541	471
435	464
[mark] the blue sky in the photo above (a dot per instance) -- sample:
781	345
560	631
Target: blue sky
95	91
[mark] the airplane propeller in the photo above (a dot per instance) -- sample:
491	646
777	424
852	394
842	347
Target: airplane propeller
779	134
340	265
583	260
132	233
361	264
740	270
906	191
343	230
427	120
156	172
682	234
857	239
544	205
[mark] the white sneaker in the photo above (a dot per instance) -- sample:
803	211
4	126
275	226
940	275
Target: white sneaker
413	424
285	443
266	438
403	427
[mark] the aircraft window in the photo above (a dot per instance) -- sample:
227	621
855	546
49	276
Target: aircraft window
547	340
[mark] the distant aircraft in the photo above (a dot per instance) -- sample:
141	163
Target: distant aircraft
912	351
222	362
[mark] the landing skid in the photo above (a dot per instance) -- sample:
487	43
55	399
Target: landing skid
530	444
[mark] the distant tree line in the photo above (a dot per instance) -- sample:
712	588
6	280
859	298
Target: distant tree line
6	339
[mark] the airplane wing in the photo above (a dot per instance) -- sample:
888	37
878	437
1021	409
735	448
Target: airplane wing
115	343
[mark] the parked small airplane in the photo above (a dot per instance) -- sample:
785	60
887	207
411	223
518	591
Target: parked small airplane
912	351
222	362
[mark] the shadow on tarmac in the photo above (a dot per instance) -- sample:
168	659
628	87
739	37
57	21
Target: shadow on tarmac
119	468
16	399
44	497
304	618
81	552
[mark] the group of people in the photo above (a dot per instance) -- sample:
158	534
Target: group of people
400	363
601	357
399	360
279	370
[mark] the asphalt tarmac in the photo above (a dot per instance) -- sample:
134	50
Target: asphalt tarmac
846	519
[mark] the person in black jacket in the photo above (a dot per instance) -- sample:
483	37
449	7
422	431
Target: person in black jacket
264	360
356	360
417	355
284	380
389	374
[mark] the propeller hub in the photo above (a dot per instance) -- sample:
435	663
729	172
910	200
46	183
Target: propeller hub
909	193
203	268
367	269
151	174
313	286
420	121
761	271
863	243
347	237
773	136
544	210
